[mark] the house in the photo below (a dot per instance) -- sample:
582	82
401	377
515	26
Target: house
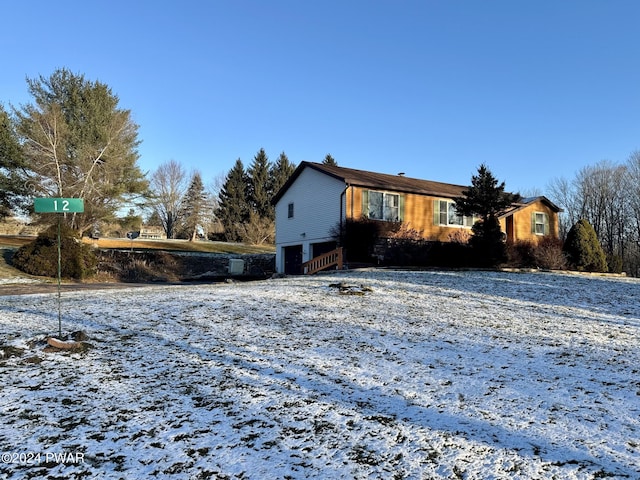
317	199
151	232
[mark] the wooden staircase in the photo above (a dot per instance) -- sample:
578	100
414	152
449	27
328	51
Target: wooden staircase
323	262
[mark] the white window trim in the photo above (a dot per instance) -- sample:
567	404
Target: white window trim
543	223
385	194
467	222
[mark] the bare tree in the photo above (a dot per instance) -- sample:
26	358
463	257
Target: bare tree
632	258
169	184
562	192
213	225
606	195
601	190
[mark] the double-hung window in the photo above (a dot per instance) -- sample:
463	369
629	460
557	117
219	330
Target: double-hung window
539	223
382	205
445	214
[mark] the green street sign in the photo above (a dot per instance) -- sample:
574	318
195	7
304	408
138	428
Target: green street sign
58	205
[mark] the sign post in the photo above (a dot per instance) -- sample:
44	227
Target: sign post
58	205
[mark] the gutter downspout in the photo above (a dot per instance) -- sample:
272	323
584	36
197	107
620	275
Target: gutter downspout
342	195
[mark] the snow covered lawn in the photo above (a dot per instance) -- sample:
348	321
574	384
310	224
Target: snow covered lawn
420	375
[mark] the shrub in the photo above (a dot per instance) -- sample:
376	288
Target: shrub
615	263
360	237
548	254
521	254
487	242
40	257
450	255
257	230
583	249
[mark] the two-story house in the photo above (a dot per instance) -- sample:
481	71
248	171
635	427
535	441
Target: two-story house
316	198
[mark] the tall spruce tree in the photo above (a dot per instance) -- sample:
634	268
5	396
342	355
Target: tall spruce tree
259	194
329	160
233	208
487	200
280	173
194	208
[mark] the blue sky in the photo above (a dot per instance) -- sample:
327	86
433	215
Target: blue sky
534	89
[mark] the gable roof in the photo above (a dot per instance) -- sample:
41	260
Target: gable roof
363	178
524	202
396	183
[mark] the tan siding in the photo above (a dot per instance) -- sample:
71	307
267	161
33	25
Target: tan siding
522	222
419	214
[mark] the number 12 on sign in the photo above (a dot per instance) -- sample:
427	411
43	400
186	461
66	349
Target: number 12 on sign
58	205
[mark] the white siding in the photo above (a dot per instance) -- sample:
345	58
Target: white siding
316	198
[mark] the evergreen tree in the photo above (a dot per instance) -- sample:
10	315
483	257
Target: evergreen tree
584	251
280	173
194	207
12	187
131	222
77	142
259	196
487	200
154	219
233	208
329	160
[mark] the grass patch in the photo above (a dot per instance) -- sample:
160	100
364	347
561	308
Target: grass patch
180	246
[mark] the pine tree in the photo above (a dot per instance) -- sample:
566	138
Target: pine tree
12	187
488	200
329	160
259	195
194	207
233	209
77	142
280	173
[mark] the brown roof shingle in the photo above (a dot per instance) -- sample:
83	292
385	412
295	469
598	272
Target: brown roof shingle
363	178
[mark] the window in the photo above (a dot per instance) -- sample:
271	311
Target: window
540	223
290	210
445	214
382	206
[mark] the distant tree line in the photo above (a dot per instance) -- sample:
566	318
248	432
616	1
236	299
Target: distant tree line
607	196
73	140
244	202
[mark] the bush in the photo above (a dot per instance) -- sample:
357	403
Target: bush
487	242
583	249
521	254
360	237
615	263
450	255
40	257
546	254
